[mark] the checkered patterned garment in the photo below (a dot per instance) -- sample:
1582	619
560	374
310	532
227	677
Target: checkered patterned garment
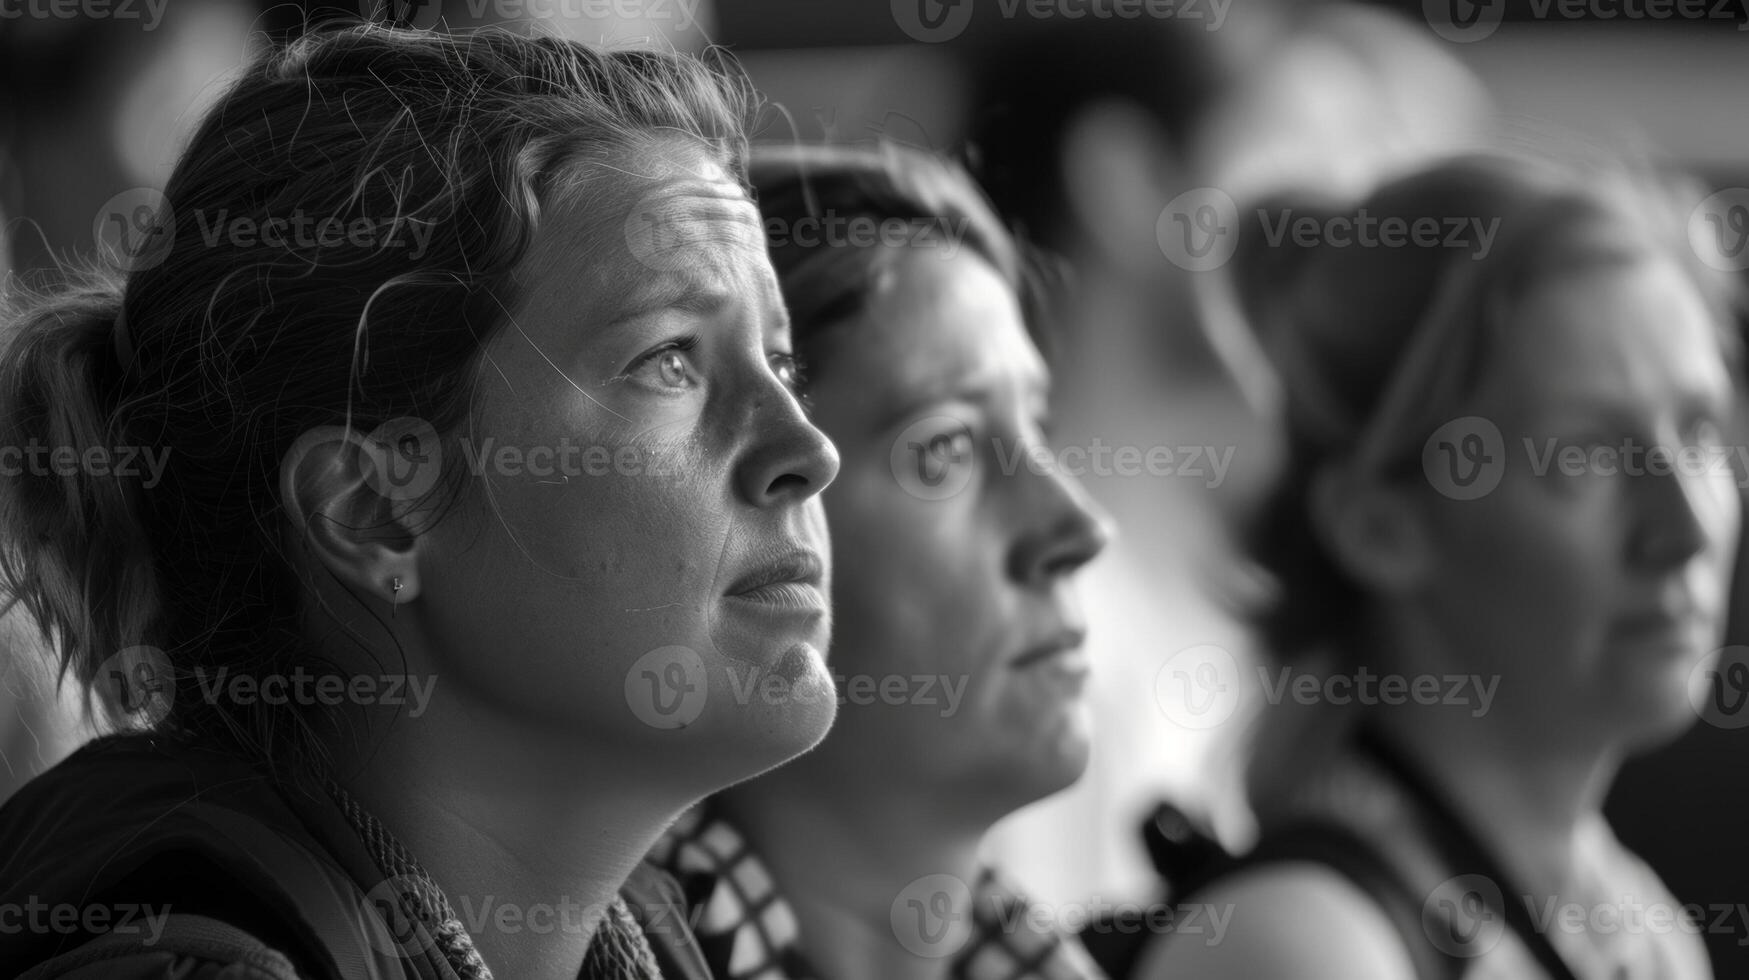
747	931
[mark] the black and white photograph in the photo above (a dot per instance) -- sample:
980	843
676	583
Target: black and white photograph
874	489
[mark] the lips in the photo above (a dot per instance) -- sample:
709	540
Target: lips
1059	645
789	581
1678	623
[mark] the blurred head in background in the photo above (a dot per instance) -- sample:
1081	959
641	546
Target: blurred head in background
1506	451
923	368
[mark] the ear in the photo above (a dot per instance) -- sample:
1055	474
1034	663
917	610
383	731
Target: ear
1117	167
1376	531
352	500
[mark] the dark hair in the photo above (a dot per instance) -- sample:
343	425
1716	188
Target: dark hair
1338	321
827	286
220	355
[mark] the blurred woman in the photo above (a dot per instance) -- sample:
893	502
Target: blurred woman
957	652
339	538
1502	537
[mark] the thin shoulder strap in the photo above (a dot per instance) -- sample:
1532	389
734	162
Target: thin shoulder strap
1466	852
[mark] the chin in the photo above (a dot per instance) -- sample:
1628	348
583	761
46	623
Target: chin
769	716
1655	712
719	720
1055	757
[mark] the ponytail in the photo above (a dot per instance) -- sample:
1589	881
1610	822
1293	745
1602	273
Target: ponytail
75	551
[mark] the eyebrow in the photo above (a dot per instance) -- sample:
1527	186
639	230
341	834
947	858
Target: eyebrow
686	292
978	388
780	321
1690	400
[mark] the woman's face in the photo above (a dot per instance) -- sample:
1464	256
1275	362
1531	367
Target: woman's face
957	650
1595	587
639	555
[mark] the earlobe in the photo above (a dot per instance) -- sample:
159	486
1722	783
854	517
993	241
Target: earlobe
362	536
1374	530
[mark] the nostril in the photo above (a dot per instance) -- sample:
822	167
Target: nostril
1064	564
787	483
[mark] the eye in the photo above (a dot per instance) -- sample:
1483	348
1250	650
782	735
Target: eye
1046	427
790	369
668	366
955	444
1702	431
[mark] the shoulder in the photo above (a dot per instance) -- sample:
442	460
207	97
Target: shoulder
132	828
1682	950
1289	920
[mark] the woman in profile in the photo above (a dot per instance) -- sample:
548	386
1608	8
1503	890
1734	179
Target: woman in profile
957	632
416	679
1506	468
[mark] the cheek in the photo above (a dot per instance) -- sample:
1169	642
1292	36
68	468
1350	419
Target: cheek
1719	505
638	516
1529	563
911	587
563	577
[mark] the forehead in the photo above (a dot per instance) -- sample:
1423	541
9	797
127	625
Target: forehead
644	232
937	327
1635	332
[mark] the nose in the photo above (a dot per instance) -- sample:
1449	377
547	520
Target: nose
1679	514
1065	530
789	460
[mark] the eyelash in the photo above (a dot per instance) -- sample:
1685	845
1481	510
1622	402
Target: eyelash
797	382
684	345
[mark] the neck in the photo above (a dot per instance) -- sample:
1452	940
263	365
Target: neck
1529	801
844	859
512	845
